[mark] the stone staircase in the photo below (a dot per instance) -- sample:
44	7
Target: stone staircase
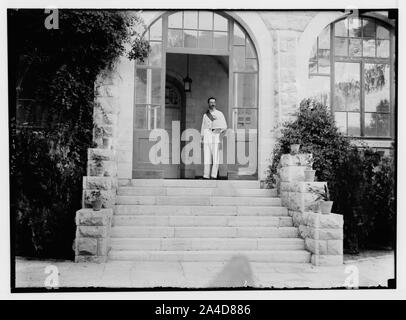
202	220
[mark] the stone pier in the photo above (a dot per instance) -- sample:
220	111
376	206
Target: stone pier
323	233
93	228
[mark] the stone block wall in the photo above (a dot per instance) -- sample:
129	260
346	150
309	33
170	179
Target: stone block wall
92	235
323	233
286	29
93	227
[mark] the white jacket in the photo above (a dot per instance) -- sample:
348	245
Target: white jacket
219	122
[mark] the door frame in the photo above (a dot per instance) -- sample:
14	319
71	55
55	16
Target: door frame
200	51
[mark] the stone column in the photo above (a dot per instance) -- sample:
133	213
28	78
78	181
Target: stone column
323	233
93	227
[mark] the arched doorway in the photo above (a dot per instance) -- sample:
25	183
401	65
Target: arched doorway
223	63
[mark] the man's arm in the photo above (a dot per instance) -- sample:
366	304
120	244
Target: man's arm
205	126
222	124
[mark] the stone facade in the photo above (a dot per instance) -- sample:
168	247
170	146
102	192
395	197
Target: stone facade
323	233
93	227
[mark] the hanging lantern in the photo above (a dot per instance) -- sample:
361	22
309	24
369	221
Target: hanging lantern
187	82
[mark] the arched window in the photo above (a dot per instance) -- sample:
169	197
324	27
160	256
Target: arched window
356	57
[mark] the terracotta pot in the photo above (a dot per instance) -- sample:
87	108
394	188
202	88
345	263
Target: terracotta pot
106	143
97	204
294	148
326	206
309	175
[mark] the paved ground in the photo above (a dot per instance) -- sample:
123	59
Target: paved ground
374	269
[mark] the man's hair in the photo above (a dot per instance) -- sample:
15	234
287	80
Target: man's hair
208	100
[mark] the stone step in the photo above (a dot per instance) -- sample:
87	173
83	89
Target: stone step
183	191
190	183
204	232
199	200
291	256
206	244
176	210
179	221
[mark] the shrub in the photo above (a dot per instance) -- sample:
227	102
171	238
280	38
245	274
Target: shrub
318	135
361	185
47	164
383	205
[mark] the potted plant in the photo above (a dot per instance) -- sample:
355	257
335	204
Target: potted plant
107	142
325	203
98	161
309	175
101	137
96	200
98	133
309	172
295	143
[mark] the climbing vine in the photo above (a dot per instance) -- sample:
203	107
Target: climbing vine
56	69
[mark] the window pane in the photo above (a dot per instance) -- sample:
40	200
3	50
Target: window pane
156	31
341	121
155	55
368	28
324	38
220	23
175	38
246	118
141	85
354	122
205	39
355	47
382	48
140	116
251	65
318	87
205	20
175	20
239	36
341	28
245	90
370	124
250	52
324	61
239	58
190	19
155	86
313	53
369	48
382	32
354	27
347	86
341	46
377	90
155	117
313	66
220	40
383	125
190	38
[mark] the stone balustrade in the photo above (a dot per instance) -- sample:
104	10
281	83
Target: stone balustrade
323	233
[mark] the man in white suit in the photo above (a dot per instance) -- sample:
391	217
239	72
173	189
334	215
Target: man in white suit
213	126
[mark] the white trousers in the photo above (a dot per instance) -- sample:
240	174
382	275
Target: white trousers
211	157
